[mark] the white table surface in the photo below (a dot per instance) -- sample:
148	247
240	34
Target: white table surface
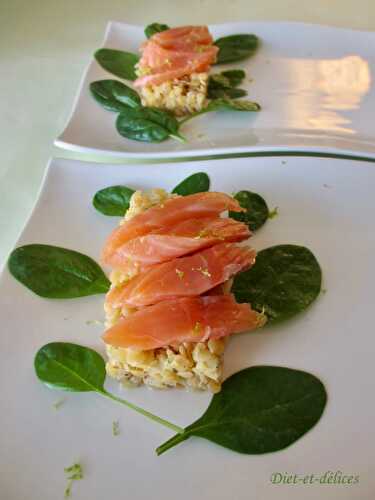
45	46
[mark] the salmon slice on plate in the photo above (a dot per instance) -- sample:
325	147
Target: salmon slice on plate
183	277
173	211
183	238
188	319
183	38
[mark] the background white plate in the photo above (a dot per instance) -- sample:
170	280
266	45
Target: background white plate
314	84
327	205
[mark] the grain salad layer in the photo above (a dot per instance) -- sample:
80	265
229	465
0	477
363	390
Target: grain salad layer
181	96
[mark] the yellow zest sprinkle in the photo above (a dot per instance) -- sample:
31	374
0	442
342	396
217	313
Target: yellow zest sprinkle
168	62
58	403
261	318
180	274
74	473
202	234
144	70
115	428
205	272
197	328
273	213
90	322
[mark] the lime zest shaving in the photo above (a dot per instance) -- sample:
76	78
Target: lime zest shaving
205	271
273	213
203	233
90	322
57	404
115	428
74	473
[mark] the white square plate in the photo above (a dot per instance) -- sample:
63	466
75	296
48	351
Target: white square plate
327	205
314	83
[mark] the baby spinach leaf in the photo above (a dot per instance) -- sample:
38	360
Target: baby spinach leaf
114	95
227	93
196	183
126	95
235	76
256	209
118	62
224	104
284	281
57	273
148	125
222	84
218	80
153	28
113	200
228	104
70	367
226	79
259	410
235	48
140	129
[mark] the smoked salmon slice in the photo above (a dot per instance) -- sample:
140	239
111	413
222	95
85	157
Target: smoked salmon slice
173	211
175	53
188	319
183	238
183	277
183	37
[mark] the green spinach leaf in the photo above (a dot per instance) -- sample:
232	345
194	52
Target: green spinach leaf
228	104
235	76
113	200
284	281
57	273
148	125
218	80
153	28
196	183
71	367
224	104
118	62
259	410
235	48
114	95
221	85
226	93
226	79
256	209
